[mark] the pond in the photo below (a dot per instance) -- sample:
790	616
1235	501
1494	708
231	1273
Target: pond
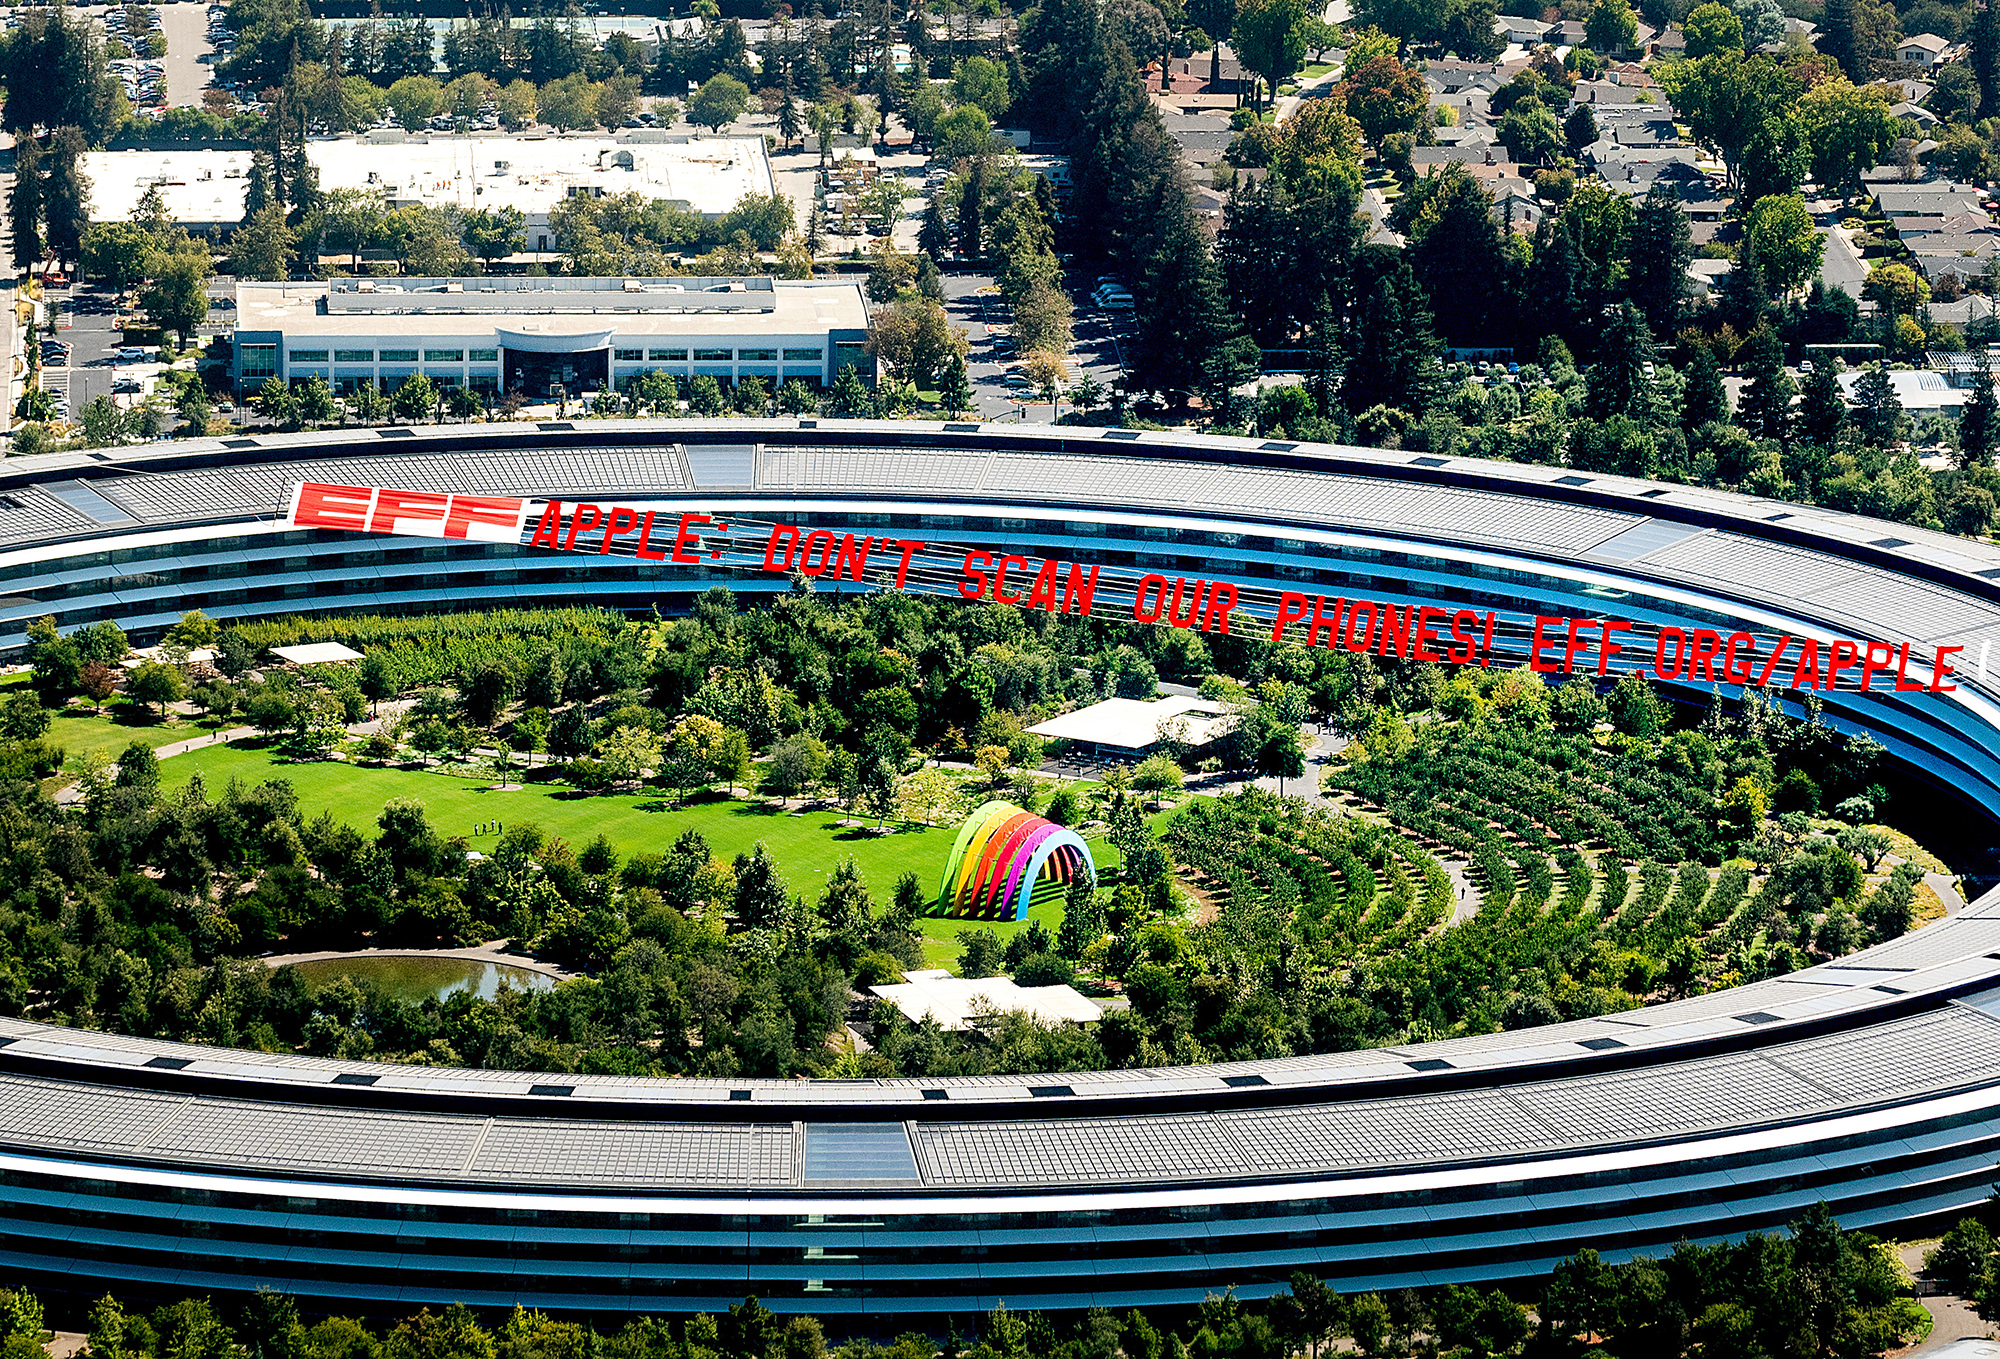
413	980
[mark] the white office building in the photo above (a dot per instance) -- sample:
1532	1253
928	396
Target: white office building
538	335
204	188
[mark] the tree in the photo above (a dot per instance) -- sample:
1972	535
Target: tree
1822	411
1979	421
850	395
759	897
177	298
1985	45
1725	99
954	391
934	237
569	103
516	103
414	101
367	403
1861	35
1711	28
719	102
262	247
964	133
65	194
275	403
195	411
1156	774
1766	407
24	204
1530	132
1580	131
1896	288
1182	312
1618	383
1846	128
1269	38
796	764
1383	96
1780	240
617	101
1611	27
1661	249
102	423
431	246
983	83
416	399
729	759
1457	255
494	233
316	403
1879	417
154	682
119	254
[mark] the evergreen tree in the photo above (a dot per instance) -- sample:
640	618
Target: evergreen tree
970	202
1822	410
1617	383
1704	397
1986	57
1183	317
1457	254
954	393
66	194
1656	272
1083	919
1555	283
1579	129
1767	394
790	125
1253	249
934	237
1322	377
1861	35
24	204
1391	355
1879	417
1979	422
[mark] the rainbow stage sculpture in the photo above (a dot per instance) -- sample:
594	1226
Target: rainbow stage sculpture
1001	855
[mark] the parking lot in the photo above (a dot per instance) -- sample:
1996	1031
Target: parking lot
89	362
978	309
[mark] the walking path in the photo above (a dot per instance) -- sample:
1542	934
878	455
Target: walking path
1947	891
1952	1318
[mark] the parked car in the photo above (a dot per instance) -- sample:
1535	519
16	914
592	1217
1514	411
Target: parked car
130	355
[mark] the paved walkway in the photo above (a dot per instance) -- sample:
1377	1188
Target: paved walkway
1952	1317
1947	891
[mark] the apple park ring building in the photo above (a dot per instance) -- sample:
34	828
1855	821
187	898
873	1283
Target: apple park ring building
1871	1083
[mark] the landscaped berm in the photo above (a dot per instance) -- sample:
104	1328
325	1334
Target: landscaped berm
1003	856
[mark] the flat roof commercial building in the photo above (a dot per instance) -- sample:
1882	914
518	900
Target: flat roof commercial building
205	188
533	335
1130	726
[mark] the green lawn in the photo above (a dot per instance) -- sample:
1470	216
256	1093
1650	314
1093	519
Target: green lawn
81	731
806	845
